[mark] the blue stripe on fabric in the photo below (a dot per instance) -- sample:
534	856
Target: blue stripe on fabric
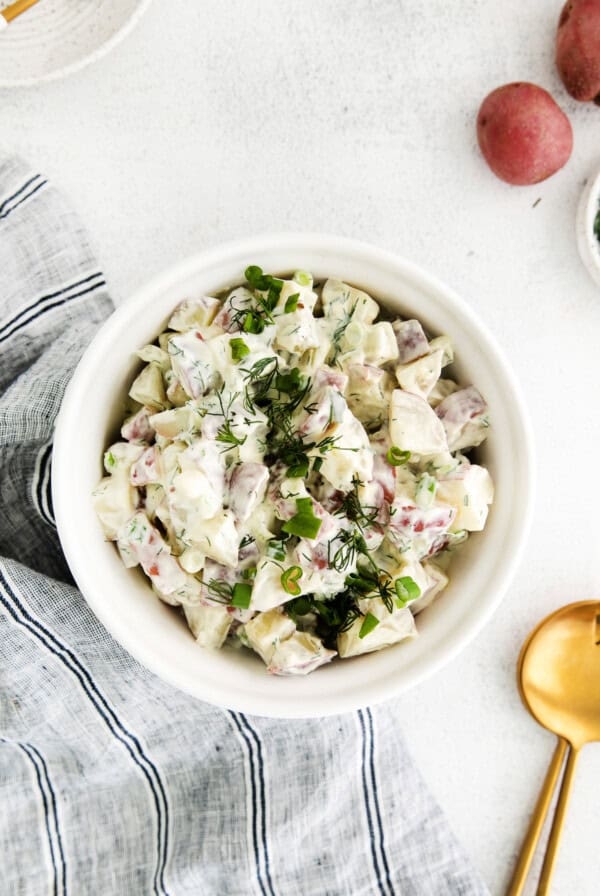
115	726
49	307
248	743
54	815
19	191
368	805
51	295
263	800
376	804
45	805
7	212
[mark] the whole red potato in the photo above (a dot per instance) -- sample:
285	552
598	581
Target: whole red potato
578	48
524	136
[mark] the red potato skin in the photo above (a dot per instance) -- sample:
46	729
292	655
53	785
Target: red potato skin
578	49
523	135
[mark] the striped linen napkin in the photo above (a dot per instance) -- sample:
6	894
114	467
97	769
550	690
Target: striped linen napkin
111	781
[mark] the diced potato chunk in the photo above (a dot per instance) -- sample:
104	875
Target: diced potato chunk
114	502
140	540
146	469
379	344
247	487
392	628
155	354
340	301
369	393
192	313
148	388
420	376
268	592
414	425
267	630
216	537
176	422
436	582
119	458
351	456
192	360
192	560
300	654
465	419
442	389
137	427
470	493
443	344
296	331
193	497
411	340
208	624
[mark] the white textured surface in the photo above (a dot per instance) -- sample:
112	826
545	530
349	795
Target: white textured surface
221	120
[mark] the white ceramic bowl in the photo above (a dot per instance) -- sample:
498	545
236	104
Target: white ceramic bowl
59	37
587	241
93	409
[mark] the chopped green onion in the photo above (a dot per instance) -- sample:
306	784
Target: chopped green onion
291	303
299	607
317	464
370	622
304	505
255	277
249	573
109	460
239	349
303	278
252	323
275	549
396	457
241	596
407	590
298	470
304	523
290	578
289	382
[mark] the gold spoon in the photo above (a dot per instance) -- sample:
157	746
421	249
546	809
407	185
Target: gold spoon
13	10
559	681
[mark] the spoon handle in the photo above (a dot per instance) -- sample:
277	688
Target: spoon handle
557	824
537	820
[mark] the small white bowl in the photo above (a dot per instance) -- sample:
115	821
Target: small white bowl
154	633
59	37
587	241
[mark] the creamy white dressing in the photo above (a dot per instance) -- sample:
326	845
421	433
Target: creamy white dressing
290	468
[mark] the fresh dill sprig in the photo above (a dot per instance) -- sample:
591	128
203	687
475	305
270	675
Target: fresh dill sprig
220	591
345	554
225	433
364	515
339	331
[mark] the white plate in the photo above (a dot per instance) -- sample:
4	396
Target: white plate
58	37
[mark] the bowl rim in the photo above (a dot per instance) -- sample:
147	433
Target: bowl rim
76	392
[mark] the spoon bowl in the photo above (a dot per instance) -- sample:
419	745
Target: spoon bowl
559	673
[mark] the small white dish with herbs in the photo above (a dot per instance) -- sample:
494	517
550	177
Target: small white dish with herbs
588	227
294	470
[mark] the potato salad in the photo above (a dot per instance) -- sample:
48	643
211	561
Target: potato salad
293	472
